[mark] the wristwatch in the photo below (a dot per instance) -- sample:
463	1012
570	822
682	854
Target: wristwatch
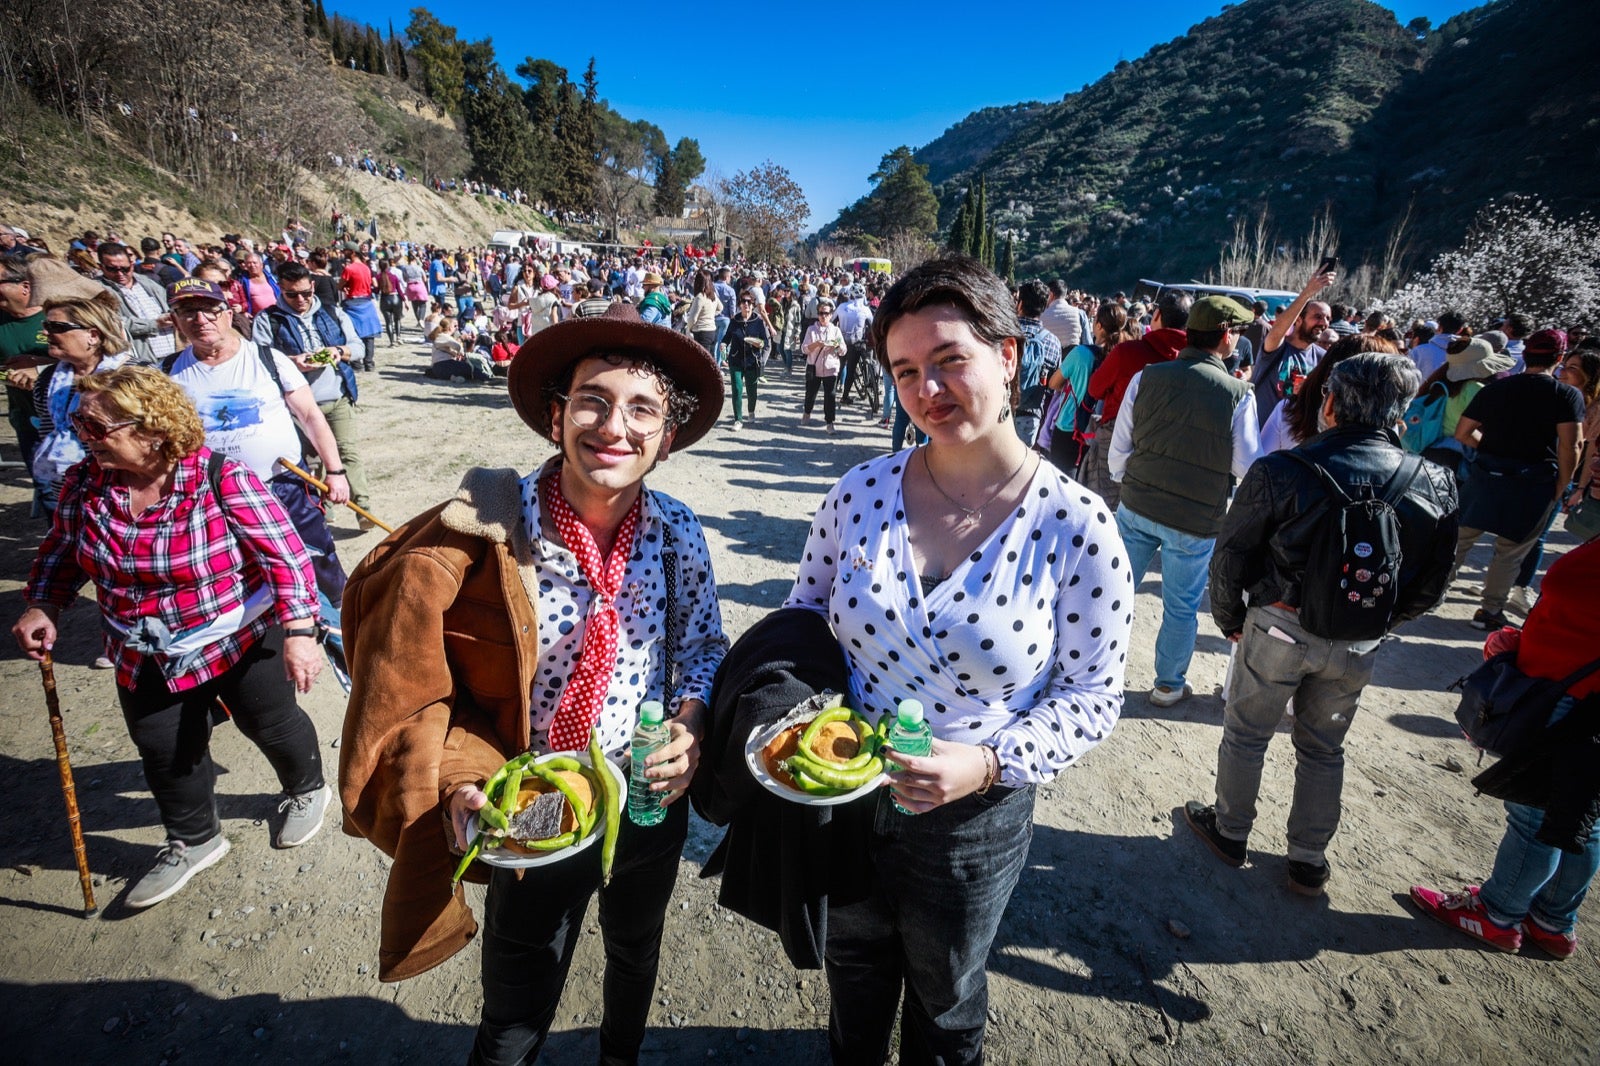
308	631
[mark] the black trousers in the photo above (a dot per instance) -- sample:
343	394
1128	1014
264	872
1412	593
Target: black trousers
813	383
172	731
531	927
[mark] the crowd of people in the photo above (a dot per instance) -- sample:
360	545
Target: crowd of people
1322	480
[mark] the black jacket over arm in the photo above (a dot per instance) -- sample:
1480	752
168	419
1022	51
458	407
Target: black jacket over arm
779	861
1268	530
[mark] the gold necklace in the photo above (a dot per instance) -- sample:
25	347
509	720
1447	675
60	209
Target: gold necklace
970	515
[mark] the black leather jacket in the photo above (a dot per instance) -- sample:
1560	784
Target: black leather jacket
1269	527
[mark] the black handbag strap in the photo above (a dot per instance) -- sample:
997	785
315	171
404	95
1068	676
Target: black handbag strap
1579	674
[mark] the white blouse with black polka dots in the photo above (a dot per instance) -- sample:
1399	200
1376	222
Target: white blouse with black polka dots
1022	646
564	599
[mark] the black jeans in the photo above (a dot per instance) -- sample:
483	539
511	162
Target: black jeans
943	880
172	731
814	382
531	928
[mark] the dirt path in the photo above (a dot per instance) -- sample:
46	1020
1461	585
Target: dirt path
270	956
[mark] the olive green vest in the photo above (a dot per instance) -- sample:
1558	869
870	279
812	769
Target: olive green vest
1178	474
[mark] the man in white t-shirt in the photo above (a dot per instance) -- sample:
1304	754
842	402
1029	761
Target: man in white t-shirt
251	418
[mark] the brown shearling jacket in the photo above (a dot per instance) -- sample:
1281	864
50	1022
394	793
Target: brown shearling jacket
441	634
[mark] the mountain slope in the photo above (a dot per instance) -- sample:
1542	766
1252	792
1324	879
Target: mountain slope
1289	108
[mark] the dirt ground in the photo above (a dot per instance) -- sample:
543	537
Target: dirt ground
1126	942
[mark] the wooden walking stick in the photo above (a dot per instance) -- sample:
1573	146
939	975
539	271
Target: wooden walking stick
322	487
68	791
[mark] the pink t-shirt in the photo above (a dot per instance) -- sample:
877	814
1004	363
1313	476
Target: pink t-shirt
261	294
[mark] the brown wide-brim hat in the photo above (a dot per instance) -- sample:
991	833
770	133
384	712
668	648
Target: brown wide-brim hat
548	355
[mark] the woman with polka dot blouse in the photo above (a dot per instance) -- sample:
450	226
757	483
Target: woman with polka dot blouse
971	576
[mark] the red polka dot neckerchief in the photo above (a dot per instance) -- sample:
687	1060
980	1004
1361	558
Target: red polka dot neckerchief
585	694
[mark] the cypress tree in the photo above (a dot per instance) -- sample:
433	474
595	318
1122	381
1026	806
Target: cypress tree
1008	261
961	229
322	20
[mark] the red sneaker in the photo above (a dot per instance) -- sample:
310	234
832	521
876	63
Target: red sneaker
1464	911
1559	945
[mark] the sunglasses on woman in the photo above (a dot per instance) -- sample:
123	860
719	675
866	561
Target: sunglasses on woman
95	432
54	328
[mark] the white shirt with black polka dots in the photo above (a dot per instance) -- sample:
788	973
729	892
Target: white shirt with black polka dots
1022	646
564	599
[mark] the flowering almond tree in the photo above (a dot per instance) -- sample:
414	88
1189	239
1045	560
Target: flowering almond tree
1518	256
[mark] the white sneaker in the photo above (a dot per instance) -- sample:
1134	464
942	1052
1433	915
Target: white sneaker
1522	598
1161	696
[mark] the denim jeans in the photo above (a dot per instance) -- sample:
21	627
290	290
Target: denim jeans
531	927
902	422
1185	569
1534	880
722	328
943	880
890	400
1325	679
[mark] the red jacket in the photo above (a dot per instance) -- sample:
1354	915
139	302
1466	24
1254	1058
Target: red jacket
1559	635
1110	382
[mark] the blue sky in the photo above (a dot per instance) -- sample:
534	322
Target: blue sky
825	90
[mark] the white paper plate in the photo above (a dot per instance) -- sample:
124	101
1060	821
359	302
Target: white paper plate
760	738
516	860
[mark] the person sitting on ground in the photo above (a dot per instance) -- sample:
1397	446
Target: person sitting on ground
451	359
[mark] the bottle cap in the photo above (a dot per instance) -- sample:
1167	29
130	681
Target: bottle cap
910	712
651	712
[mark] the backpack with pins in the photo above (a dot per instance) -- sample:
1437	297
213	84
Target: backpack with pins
1352	574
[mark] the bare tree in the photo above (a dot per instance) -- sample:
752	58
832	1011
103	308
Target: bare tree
770	207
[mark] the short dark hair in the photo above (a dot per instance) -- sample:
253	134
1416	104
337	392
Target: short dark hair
1058	287
957	281
1259	307
1035	297
292	271
106	248
1173	307
1452	322
1518	324
149	245
1339	312
1541	359
1206	340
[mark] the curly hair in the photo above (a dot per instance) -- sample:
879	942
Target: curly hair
102	314
157	403
680	403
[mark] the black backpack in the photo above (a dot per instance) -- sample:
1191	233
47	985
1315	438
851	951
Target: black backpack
1352	576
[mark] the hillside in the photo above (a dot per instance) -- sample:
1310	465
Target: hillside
1289	108
76	182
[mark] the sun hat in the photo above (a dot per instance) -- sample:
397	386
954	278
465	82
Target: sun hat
548	355
652	278
1476	361
549	282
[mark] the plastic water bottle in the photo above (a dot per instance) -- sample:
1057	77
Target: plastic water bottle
644	806
910	735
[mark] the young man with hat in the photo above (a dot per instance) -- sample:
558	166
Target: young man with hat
1183	428
520	616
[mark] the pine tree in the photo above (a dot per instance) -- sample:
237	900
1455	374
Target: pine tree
322	21
980	221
